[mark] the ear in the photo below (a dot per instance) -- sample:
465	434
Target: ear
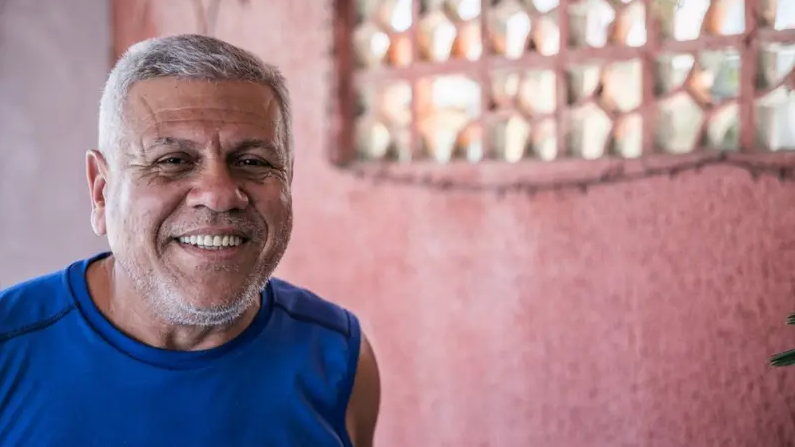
97	171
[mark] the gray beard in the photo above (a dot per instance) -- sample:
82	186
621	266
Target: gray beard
172	309
170	304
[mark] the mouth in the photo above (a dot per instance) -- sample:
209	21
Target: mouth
212	242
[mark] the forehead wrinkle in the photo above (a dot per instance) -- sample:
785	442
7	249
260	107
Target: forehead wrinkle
156	118
152	112
141	99
203	108
149	126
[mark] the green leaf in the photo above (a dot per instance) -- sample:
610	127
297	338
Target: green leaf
786	358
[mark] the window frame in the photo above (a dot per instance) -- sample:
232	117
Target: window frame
347	77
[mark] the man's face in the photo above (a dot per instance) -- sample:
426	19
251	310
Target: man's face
196	204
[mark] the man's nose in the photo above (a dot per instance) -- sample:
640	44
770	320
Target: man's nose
217	189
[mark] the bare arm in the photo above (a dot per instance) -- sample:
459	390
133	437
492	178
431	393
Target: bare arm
362	413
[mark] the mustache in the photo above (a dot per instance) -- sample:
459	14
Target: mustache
247	225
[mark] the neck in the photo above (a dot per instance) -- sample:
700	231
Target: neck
115	296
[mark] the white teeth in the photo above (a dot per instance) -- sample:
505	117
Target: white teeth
212	242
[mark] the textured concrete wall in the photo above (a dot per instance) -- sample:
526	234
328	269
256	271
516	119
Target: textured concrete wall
637	315
53	60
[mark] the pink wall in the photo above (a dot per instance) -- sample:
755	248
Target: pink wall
53	60
637	315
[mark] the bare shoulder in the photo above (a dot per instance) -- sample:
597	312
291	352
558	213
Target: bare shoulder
362	413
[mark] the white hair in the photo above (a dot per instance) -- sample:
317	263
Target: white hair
186	56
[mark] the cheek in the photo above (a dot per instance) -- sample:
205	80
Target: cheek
138	211
285	203
116	198
275	206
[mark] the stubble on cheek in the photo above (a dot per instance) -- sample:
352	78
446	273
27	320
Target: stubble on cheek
281	231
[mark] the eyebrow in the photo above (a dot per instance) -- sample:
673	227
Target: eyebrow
255	143
171	141
249	143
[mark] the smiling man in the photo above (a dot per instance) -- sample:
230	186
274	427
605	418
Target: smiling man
180	335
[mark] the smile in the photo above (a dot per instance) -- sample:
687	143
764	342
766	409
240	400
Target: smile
215	242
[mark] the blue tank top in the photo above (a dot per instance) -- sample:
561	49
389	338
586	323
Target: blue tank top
70	378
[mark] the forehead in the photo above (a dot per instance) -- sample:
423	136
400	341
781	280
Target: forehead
155	106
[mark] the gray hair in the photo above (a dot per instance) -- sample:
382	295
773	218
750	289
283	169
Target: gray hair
187	56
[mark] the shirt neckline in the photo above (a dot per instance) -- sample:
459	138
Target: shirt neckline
76	276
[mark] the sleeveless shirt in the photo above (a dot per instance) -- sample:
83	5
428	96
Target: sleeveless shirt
68	377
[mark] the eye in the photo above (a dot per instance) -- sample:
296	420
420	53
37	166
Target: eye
251	162
173	160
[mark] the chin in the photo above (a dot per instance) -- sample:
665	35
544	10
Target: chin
217	294
196	310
